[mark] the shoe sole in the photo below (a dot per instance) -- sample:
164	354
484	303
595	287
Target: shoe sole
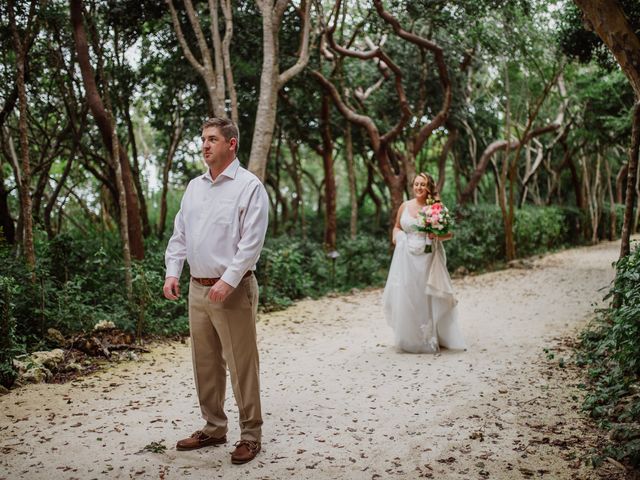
241	462
213	444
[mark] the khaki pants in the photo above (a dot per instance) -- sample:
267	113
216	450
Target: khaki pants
224	335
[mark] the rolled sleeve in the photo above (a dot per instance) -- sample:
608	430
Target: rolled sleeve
253	228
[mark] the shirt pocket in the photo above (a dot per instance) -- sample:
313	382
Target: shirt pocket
222	212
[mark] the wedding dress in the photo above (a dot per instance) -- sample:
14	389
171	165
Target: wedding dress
419	303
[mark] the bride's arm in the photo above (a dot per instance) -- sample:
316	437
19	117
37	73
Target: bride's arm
397	228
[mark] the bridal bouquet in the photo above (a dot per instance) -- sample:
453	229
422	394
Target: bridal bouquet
434	218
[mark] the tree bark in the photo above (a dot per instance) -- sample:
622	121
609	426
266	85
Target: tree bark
295	172
330	223
491	149
104	121
10	152
351	174
621	180
396	167
625	245
271	80
612	203
54	196
442	161
166	169
368	191
7	227
212	75
226	59
135	171
20	45
443	76
608	20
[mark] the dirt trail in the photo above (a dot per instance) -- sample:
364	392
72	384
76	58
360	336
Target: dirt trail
339	402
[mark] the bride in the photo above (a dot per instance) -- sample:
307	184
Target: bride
419	303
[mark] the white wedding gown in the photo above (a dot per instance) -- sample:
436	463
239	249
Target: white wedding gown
419	303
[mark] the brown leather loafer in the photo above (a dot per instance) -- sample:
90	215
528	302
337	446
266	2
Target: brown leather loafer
245	451
199	439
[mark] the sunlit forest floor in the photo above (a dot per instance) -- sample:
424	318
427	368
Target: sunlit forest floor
340	402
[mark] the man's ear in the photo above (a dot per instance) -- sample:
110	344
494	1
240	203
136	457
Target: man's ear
234	143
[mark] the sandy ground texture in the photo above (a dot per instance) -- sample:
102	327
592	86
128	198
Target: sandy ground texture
340	403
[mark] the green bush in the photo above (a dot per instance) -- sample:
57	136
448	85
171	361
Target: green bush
604	226
291	269
9	346
610	349
80	277
478	241
539	229
80	281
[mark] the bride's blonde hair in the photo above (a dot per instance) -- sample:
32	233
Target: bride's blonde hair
431	185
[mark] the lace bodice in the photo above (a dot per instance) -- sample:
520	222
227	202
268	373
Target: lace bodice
416	240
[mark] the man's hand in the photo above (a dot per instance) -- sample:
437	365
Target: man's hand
220	291
171	288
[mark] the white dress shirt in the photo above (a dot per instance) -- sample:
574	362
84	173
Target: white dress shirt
220	227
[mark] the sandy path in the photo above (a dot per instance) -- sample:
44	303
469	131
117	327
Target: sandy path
339	402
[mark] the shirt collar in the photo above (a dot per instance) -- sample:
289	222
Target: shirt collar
229	172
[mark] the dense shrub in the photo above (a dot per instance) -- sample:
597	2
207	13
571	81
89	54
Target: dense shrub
479	234
610	348
80	277
9	346
539	229
80	281
290	269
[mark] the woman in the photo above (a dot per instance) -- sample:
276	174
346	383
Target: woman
418	298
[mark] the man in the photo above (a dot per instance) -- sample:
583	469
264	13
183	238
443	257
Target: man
220	230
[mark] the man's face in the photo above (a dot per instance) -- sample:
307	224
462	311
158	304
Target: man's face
216	150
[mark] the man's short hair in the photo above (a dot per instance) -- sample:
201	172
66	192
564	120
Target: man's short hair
227	128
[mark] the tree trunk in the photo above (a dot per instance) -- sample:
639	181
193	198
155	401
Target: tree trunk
607	19
442	161
176	135
637	216
54	196
491	149
20	46
621	180
625	246
271	80
7	227
135	171
265	121
368	191
612	203
124	219
295	172
10	152
351	173
211	75
593	189
507	217
330	223
104	121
